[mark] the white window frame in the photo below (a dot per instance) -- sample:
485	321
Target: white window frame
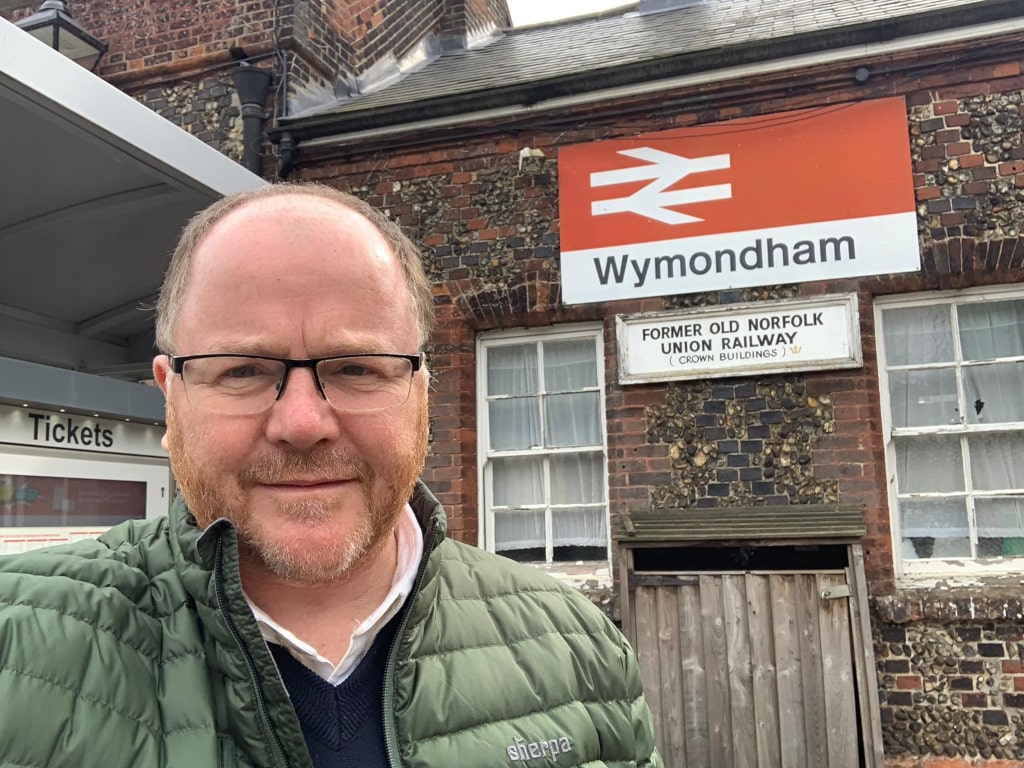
917	570
48	462
595	331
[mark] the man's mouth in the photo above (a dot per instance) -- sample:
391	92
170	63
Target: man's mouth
305	484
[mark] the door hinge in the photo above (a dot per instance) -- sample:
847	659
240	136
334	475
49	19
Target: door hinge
833	593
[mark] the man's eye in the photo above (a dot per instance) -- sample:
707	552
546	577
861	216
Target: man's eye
242	372
354	370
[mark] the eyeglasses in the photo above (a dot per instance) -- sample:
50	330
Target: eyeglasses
242	385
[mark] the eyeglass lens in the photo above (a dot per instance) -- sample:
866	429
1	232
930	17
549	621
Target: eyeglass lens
245	385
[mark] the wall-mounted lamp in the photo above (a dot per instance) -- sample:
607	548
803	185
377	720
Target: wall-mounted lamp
531	160
53	24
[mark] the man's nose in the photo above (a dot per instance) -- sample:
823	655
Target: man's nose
288	373
301	416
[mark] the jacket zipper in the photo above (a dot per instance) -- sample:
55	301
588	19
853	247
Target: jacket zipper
280	756
390	736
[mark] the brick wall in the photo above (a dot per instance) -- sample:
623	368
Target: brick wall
490	236
947	682
952	690
154	38
469	20
173	51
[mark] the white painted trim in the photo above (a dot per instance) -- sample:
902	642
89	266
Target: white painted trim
919	573
485	527
54	83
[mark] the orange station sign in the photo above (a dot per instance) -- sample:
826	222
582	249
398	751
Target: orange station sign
790	197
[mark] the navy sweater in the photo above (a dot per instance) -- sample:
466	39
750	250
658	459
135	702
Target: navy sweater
344	724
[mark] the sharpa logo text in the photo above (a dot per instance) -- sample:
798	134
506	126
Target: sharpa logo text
521	751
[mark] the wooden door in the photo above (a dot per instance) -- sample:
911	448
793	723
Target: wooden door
748	670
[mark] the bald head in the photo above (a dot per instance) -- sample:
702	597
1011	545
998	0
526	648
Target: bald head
179	272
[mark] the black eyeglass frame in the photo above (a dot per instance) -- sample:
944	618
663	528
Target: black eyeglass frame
178	364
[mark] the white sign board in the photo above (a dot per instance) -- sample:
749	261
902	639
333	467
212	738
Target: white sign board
74	432
739	339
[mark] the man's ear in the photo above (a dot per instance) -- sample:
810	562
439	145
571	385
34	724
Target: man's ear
162	376
162	372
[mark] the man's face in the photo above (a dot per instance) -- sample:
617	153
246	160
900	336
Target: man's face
313	492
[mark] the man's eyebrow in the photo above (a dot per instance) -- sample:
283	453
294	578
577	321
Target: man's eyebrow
244	348
335	350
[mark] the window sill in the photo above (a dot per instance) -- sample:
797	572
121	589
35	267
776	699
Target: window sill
963	598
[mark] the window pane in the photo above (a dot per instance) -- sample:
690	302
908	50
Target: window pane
577	478
514	423
934	528
929	464
997	461
923	398
30	501
569	365
918	335
580	527
520	529
512	370
991	329
995	393
517	481
1000	525
573	420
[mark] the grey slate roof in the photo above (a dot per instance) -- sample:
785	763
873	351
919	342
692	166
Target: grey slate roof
535	63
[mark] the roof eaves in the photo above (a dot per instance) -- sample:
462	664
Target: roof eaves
352	119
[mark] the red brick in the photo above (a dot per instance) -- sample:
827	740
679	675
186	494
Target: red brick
958	149
945	107
975	700
1018	181
1012	666
975	188
1011	169
958	120
908	682
952	219
1007	69
928	193
947	136
972	161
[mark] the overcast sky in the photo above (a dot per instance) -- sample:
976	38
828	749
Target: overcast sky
526	12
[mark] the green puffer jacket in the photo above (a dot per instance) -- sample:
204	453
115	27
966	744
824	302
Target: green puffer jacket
139	650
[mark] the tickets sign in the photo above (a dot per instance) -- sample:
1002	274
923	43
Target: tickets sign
762	337
27	426
792	197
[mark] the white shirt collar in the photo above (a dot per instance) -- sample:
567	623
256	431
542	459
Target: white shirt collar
410	551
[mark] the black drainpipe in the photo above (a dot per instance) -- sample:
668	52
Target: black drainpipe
252	85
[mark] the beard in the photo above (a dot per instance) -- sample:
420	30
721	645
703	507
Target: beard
314	552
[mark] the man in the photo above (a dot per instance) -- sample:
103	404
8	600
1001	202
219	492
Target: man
294	609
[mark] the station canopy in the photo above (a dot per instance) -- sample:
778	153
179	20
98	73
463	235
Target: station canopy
94	189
